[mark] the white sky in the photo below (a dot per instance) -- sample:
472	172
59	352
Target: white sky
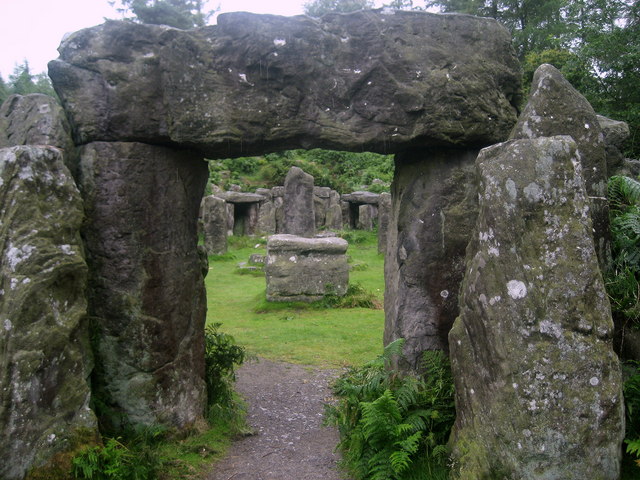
33	29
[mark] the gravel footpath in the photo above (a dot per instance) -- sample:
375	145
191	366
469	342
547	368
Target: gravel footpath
285	410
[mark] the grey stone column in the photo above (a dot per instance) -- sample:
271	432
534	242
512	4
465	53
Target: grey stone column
146	291
433	211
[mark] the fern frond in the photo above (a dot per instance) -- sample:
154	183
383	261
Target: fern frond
633	446
623	191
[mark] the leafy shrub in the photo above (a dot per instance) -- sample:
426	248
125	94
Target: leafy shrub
632	410
116	461
622	279
222	355
394	426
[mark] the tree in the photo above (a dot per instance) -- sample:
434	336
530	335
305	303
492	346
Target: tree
594	43
4	90
317	8
183	14
23	82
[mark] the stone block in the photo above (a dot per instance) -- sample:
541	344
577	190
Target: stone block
305	269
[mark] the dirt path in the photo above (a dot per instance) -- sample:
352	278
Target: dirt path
285	411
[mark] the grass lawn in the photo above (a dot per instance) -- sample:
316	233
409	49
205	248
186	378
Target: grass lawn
292	332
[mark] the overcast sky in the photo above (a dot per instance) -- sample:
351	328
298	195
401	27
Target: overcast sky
33	29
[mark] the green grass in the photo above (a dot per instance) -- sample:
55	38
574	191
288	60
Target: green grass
294	332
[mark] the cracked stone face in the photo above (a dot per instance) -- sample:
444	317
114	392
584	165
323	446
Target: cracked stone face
538	387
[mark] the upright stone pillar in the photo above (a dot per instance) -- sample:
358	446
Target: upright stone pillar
538	386
45	357
434	205
556	108
384	211
146	291
214	224
299	216
334	212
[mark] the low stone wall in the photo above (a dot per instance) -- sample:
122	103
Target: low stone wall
305	269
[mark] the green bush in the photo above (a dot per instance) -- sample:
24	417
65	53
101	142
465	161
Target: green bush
222	355
622	280
394	426
116	461
632	425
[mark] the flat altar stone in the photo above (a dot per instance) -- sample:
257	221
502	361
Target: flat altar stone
301	269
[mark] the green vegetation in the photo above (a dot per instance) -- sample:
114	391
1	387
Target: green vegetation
623	278
594	43
342	171
394	426
156	452
184	14
319	334
623	287
631	464
23	82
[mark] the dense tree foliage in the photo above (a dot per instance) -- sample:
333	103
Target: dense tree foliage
23	82
595	43
183	14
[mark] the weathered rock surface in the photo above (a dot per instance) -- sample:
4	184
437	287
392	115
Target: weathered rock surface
214	224
615	134
433	213
36	119
556	108
146	290
361	198
370	80
45	358
299	215
384	211
305	269
367	216
538	387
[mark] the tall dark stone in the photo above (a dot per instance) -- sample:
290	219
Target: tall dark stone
434	206
146	291
299	216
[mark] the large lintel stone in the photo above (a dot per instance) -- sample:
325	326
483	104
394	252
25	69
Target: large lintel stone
377	80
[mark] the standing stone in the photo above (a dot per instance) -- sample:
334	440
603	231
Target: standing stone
366	215
305	269
214	225
384	211
538	386
45	357
433	213
36	119
299	217
321	205
333	220
278	205
556	108
615	134
347	217
267	218
146	289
